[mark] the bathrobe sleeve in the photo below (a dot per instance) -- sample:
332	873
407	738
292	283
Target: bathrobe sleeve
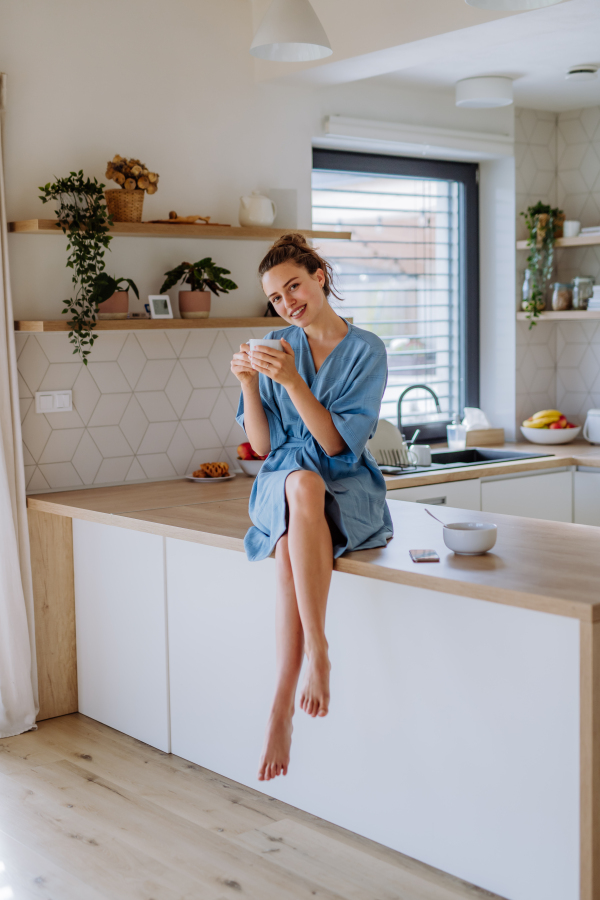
355	412
277	433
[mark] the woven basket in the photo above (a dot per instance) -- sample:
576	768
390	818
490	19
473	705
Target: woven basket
125	206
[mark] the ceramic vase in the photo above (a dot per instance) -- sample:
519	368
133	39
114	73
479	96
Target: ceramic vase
116	307
194	304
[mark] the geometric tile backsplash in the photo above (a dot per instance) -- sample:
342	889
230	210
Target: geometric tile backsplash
149	405
558	364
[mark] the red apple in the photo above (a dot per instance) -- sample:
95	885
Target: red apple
556	425
245	451
563	421
570	425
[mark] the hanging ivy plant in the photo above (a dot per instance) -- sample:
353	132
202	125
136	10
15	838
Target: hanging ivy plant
542	222
83	217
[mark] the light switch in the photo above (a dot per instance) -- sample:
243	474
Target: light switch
53	401
62	401
45	402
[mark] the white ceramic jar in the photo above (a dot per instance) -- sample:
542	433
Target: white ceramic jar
257	210
591	429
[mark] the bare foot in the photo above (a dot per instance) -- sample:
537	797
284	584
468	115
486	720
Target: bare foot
276	754
314	699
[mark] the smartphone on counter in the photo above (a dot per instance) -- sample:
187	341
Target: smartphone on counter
424	556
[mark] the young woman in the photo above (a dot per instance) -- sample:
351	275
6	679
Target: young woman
310	406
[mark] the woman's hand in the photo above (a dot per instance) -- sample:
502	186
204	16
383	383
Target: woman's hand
276	364
241	367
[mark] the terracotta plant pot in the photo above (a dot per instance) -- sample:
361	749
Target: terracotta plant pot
116	307
194	304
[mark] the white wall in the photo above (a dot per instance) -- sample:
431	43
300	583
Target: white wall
497	309
173	84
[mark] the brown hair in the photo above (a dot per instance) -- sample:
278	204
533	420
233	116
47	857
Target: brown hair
294	248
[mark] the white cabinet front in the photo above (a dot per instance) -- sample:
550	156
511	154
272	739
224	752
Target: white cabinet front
545	496
586	498
120	609
461	494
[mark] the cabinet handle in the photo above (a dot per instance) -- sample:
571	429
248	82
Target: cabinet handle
434	501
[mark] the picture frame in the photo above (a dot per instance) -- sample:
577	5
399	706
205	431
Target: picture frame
160	306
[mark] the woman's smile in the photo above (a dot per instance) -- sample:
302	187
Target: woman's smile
298	312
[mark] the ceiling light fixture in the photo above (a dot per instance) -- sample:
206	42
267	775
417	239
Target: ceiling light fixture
290	32
582	73
511	5
487	92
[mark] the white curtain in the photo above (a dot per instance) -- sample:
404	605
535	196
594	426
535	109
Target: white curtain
18	671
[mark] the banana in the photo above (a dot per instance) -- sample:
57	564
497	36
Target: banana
555	414
539	423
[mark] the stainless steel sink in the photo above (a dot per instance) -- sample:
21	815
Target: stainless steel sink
472	456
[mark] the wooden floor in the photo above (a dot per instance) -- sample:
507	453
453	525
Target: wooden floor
87	813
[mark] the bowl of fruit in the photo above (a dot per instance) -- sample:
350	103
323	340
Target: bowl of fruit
249	461
549	426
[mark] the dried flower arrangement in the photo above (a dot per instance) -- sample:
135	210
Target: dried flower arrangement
132	174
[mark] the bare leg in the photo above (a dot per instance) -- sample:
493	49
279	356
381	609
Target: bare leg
311	556
290	651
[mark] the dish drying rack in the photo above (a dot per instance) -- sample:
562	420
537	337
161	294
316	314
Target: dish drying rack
388	447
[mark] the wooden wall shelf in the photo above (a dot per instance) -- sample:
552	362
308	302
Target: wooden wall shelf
148	229
158	324
567	315
582	240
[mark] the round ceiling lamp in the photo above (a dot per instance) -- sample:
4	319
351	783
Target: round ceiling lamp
511	5
487	92
290	32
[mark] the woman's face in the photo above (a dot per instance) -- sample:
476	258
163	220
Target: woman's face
296	294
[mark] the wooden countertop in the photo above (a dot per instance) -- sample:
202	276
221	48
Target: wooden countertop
579	453
545	566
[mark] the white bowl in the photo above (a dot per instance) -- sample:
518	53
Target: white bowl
550	435
470	538
250	466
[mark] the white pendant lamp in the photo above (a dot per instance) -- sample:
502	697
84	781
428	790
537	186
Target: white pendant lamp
487	92
511	5
290	32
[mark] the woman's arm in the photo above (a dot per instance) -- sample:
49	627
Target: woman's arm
256	425
279	365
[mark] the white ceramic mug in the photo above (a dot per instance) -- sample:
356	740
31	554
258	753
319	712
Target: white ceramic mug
420	454
264	342
571	228
591	429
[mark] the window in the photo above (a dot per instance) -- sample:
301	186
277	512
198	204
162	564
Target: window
410	273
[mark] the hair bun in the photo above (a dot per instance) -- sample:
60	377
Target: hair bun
293	239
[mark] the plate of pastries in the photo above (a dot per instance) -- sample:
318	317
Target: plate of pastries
211	472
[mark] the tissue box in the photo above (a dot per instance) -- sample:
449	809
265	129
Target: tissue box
485	437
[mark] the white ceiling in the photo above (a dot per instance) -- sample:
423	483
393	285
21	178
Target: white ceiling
537	58
534	48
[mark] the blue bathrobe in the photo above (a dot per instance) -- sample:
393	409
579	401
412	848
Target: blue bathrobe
350	384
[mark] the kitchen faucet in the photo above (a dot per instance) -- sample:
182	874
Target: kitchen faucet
413	387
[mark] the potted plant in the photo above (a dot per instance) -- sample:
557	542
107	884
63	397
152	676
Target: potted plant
84	218
203	277
111	296
126	202
544	224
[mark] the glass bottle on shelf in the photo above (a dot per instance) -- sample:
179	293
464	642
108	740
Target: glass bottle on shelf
583	290
562	296
529	291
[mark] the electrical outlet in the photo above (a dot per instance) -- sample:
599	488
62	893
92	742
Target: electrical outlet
53	401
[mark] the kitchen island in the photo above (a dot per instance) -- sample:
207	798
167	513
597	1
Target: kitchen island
464	729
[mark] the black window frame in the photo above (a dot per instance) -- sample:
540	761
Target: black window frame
467	175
